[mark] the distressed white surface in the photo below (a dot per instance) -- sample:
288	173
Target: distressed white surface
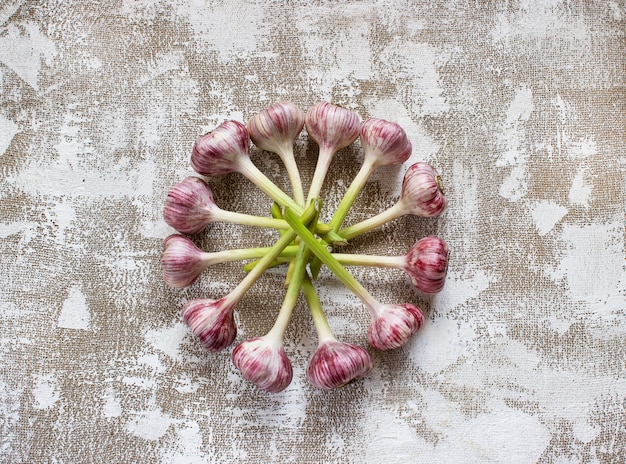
24	48
46	391
75	312
8	129
546	214
519	359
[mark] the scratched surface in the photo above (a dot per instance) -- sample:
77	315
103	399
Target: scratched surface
518	104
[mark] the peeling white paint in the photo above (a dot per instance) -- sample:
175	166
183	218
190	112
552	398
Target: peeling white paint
75	311
112	406
150	424
168	339
441	343
24	48
16	228
535	21
515	437
511	137
461	287
8	130
189	446
46	391
546	214
590	250
71	181
580	190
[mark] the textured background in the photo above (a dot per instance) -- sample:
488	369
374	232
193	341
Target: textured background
520	106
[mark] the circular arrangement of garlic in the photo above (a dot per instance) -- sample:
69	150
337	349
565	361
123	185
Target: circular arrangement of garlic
304	241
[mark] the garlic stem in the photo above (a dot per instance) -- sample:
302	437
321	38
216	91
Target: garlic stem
294	174
324	332
293	290
295	278
370	260
367	168
233	217
270	256
321	168
248	169
394	212
241	254
327	258
345	259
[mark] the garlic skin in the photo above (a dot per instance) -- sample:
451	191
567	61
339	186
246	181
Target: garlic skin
334	364
189	206
181	261
422	192
212	321
384	142
263	362
275	129
393	325
427	264
220	151
332	126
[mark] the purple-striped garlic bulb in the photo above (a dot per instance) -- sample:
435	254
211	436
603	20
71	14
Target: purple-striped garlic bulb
393	325
384	143
263	361
333	128
422	191
181	261
427	264
276	128
189	206
334	364
422	195
212	321
221	150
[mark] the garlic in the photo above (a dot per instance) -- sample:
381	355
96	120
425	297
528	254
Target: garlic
334	364
426	263
221	150
225	150
190	207
275	129
212	321
182	261
422	195
393	325
384	144
333	128
422	191
204	316
263	362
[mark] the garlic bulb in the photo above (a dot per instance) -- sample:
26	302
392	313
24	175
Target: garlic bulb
263	362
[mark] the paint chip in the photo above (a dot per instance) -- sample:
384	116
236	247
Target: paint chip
75	312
